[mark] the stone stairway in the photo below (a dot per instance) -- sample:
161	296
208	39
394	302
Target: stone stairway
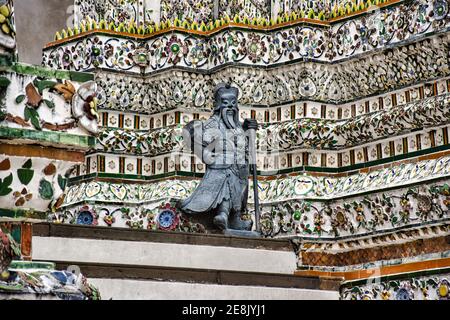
134	264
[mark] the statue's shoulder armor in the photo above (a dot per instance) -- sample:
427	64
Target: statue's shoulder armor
210	124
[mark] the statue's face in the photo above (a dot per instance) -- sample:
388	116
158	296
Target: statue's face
228	106
228	100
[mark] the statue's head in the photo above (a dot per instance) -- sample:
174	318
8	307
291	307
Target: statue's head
226	105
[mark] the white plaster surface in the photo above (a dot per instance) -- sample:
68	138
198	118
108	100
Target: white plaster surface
118	289
37	22
163	254
155	7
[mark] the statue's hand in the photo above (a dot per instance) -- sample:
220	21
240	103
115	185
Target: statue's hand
250	124
208	157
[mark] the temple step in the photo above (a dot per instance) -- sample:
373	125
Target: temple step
139	282
133	264
134	247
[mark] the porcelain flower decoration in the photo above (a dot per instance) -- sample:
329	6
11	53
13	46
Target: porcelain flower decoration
84	107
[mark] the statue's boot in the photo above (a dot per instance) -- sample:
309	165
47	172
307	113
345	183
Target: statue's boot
221	221
237	223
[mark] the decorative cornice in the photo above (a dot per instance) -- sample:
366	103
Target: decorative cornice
359	275
251	47
147	29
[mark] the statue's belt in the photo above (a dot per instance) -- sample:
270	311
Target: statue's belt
241	171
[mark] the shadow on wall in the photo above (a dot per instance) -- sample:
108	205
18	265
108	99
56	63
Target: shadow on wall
37	22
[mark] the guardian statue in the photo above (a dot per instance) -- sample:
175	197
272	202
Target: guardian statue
223	144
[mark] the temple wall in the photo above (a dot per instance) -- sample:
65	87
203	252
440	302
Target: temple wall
353	150
37	21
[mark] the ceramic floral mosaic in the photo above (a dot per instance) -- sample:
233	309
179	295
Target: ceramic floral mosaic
47	121
305	205
352	98
359	106
291	44
418	288
7	32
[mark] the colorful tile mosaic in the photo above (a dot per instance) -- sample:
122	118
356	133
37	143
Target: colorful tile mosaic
26	279
420	287
206	10
352	98
8	46
308	206
338	42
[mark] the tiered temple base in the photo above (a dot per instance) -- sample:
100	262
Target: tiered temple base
162	265
353	151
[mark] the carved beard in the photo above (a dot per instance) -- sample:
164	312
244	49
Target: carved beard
228	118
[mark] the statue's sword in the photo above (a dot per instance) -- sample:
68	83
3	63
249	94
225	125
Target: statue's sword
255	192
252	127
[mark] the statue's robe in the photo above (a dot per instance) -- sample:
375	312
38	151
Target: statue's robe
223	180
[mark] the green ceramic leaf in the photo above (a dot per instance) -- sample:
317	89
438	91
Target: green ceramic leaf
49	104
44	84
33	115
25	175
15	243
20	98
4	185
62	182
33	112
4	82
45	190
12	287
28	164
36	123
8	180
27	113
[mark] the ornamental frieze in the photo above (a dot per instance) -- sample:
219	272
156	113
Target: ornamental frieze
380	29
263	115
114	158
308	133
285	188
47	103
112	10
141	143
374	212
157	217
302	134
379	251
205	11
341	83
289	207
421	287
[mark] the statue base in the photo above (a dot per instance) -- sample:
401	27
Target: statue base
206	220
241	233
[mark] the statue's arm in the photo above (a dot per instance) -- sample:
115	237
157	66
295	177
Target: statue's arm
211	135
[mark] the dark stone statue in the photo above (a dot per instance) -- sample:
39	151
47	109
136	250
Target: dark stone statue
223	145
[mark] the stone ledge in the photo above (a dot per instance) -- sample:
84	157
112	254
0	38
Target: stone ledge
204	276
120	234
123	289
